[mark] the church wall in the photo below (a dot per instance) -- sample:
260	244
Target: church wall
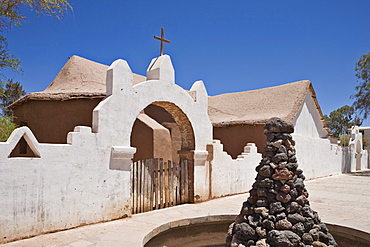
151	139
317	157
68	186
142	140
231	176
234	138
51	121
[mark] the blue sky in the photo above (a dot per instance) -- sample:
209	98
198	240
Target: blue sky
233	45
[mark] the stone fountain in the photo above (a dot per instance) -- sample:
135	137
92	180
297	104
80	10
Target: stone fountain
277	212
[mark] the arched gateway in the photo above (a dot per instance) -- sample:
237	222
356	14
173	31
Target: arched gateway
115	116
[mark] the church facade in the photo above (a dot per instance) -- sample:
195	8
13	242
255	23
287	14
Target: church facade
70	162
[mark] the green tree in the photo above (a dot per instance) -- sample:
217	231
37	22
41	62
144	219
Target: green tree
6	128
362	95
10	16
340	120
10	92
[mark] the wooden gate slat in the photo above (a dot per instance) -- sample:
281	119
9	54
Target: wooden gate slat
186	184
141	180
145	185
170	182
161	199
158	184
156	189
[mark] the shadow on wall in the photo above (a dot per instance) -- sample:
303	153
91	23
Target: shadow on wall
346	160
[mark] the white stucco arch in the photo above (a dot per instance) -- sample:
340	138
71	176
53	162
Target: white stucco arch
114	117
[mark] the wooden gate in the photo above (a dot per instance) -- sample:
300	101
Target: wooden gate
158	184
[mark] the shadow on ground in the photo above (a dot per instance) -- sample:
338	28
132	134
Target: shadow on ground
359	173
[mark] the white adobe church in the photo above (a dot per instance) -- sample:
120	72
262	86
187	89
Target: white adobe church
90	177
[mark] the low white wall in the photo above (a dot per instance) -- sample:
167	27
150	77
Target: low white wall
67	187
232	176
317	157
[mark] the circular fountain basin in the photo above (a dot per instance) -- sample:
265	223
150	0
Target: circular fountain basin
211	231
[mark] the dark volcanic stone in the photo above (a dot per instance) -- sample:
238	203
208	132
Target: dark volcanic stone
307	211
282	149
266	183
254	220
293	193
271	137
307	238
247	211
250	243
284	238
318	244
298	171
262	192
265	161
282	174
261	231
295	218
323	238
298	228
271	197
283	224
276	207
292	166
280	157
252	199
275	125
331	240
293	159
285	188
270	148
265	171
314	233
281	216
323	228
294	207
262	202
268	224
271	218
268	154
302	200
305	193
283	197
309	223
298	184
245	232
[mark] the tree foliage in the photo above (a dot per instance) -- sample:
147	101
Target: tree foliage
6	128
362	95
10	16
342	119
10	92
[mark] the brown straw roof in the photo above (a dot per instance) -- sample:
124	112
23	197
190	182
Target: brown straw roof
79	78
257	106
82	78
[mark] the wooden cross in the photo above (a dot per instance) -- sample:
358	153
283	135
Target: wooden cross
162	39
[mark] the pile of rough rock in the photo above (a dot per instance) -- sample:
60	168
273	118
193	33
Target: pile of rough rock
277	212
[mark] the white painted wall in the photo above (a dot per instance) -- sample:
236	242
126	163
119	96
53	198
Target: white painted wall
358	156
68	186
88	179
317	157
232	176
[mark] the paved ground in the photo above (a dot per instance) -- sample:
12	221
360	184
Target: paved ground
342	199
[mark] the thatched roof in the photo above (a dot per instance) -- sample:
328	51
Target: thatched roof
79	78
257	106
